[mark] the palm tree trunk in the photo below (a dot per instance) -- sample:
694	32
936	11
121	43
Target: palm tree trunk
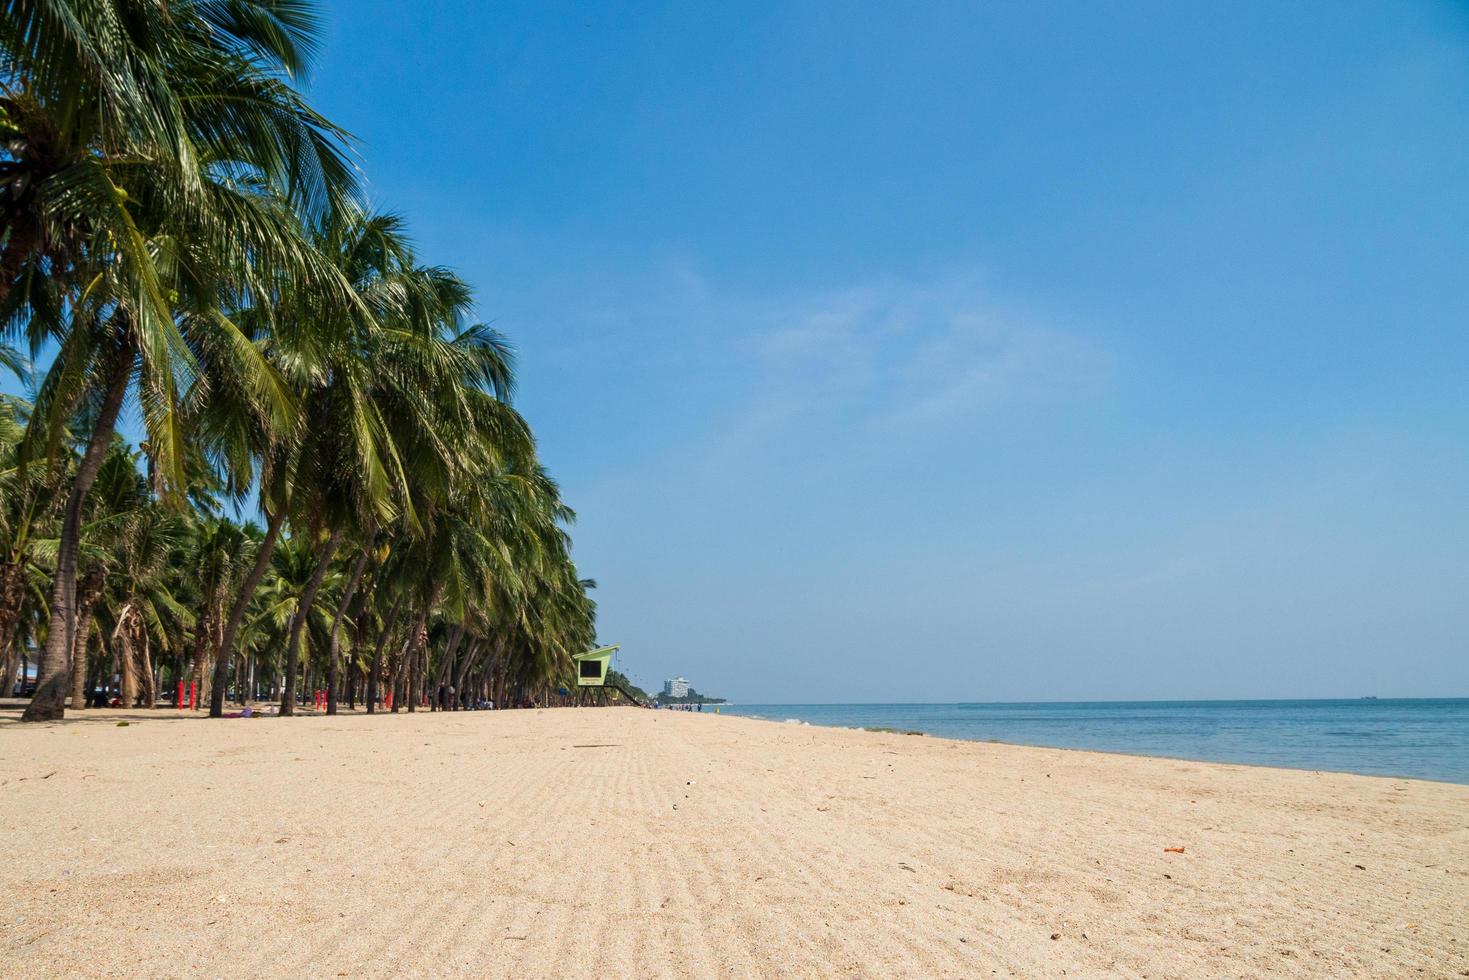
94	675
418	663
128	690
333	679
79	661
446	669
237	613
88	592
200	666
410	684
471	654
12	593
127	656
207	667
53	667
375	674
114	669
145	668
298	621
7	657
401	669
354	677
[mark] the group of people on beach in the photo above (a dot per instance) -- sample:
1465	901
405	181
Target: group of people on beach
447	699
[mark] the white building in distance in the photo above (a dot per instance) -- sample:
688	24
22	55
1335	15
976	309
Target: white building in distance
676	688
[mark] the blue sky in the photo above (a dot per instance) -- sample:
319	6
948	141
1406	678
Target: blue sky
969	351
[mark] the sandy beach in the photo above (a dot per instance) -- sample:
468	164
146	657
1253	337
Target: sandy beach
619	842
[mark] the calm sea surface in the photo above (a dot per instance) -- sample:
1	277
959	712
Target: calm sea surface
1426	739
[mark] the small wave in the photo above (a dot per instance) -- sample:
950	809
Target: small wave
796	721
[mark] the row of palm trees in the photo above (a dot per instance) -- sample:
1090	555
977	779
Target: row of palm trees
184	236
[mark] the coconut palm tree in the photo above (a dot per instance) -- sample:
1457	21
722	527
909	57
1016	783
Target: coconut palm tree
27	506
385	397
156	160
138	545
180	228
281	602
220	555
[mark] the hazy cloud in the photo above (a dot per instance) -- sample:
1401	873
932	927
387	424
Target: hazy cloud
912	356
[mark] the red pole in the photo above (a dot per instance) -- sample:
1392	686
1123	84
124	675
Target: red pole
178	702
193	690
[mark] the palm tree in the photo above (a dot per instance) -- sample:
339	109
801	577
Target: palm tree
281	602
157	153
138	546
101	98
181	227
27	505
221	553
385	397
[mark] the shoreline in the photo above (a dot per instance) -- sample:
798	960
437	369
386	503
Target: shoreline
798	723
1357	737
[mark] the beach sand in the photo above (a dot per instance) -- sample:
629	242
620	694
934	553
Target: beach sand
619	842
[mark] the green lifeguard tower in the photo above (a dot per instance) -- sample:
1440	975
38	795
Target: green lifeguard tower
592	666
593	669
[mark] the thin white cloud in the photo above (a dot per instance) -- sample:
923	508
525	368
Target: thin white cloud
722	381
927	354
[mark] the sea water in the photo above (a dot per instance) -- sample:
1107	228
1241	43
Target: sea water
1421	738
